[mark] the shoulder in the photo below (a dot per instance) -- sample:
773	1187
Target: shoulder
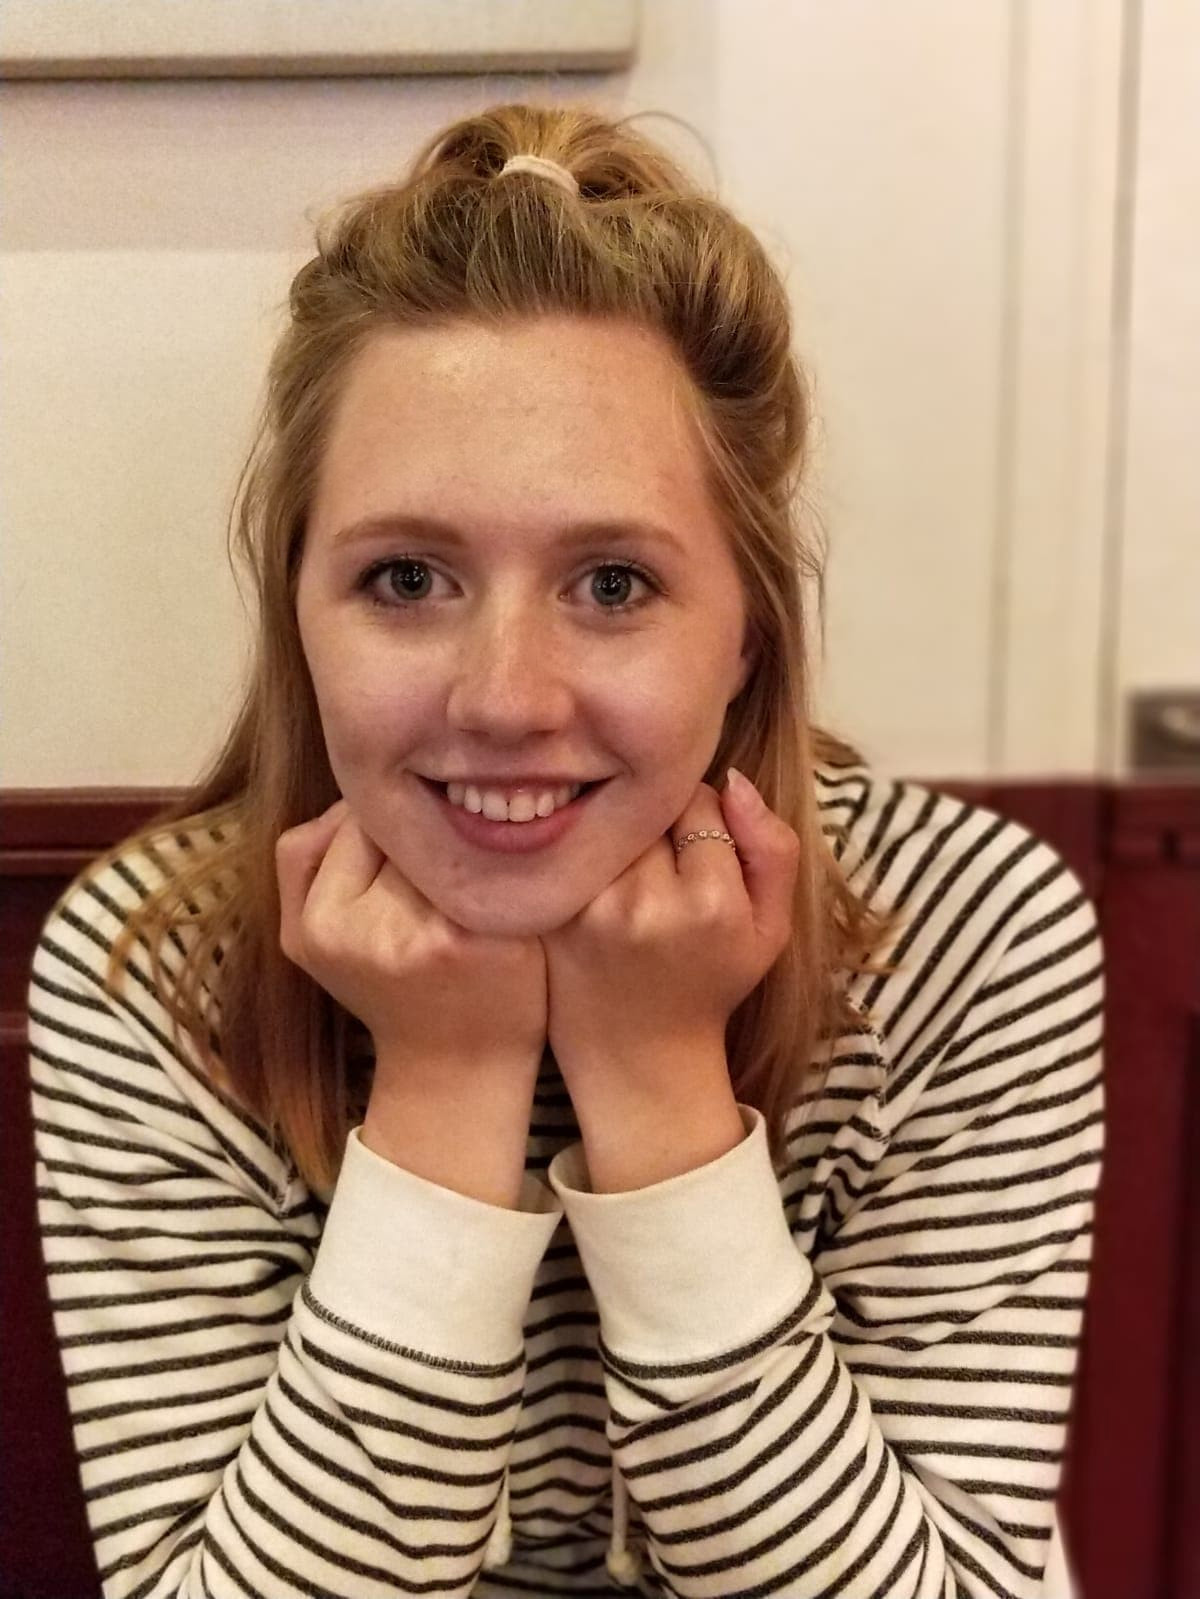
119	938
108	1059
105	899
910	849
976	897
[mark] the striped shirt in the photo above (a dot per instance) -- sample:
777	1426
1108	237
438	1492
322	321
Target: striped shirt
851	1377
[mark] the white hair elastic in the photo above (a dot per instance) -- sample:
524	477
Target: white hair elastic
541	168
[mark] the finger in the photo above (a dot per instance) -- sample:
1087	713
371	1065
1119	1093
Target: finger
704	816
349	867
769	852
298	855
399	889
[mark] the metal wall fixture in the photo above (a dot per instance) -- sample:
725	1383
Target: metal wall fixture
1164	732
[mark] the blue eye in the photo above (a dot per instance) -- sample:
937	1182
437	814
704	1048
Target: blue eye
392	583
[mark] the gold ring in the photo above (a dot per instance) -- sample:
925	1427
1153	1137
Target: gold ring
705	832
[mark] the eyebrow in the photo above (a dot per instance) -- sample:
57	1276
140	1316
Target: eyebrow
625	530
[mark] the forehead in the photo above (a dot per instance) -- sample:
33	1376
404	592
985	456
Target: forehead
576	415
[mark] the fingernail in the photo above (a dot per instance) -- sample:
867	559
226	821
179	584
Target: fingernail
741	786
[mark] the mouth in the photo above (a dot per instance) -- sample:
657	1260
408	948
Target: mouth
512	837
585	789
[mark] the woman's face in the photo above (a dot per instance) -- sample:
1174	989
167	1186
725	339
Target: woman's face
460	601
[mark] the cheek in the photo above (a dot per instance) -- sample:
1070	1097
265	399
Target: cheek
363	706
689	707
365	724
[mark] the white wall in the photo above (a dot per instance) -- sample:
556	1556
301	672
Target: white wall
869	141
1155	631
938	182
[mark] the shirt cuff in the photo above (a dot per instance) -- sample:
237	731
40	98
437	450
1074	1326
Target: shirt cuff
690	1266
426	1268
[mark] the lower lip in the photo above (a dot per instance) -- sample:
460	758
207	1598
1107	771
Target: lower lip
512	838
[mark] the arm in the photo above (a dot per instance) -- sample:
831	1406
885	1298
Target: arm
889	1417
259	1406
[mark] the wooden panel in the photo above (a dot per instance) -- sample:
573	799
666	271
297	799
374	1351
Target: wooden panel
1183	1550
47	836
82	819
1138	1419
1069	815
30	889
46	1547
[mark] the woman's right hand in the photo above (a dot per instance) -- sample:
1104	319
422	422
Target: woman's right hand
434	996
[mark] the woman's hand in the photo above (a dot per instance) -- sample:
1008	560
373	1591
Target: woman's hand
431	993
644	979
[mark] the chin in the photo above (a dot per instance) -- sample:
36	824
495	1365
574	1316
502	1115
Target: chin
509	920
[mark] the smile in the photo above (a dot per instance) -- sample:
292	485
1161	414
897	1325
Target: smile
514	836
523	806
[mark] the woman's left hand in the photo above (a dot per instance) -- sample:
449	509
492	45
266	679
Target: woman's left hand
649	972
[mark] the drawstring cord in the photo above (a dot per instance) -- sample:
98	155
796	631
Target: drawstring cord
624	1564
499	1549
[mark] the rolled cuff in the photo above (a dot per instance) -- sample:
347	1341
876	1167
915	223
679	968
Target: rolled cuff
426	1268
690	1266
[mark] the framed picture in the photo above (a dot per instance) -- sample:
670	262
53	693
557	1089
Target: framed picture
301	38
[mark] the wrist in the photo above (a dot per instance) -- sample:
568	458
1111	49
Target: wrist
648	1127
465	1130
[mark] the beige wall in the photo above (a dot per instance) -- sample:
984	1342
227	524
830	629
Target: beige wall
1156	578
938	182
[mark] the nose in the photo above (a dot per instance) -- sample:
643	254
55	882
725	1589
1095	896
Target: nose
506	679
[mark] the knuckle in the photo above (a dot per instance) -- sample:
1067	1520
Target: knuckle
392	951
317	943
293	946
438	948
711	905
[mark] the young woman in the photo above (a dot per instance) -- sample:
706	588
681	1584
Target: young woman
486	1145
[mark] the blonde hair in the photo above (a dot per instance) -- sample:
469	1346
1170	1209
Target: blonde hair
454	240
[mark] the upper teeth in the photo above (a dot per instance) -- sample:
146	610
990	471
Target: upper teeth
523	806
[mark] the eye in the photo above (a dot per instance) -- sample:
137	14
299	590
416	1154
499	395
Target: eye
402	582
624	570
390	582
